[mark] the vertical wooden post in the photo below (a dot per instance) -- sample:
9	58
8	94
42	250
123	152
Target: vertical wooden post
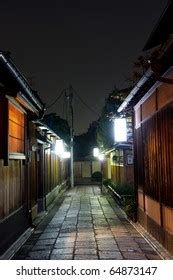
40	174
135	164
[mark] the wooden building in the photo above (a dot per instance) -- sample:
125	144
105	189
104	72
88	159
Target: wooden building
30	171
151	101
118	164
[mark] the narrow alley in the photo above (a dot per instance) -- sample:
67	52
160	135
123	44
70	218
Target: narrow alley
86	225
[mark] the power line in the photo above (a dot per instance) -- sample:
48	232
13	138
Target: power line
84	103
59	96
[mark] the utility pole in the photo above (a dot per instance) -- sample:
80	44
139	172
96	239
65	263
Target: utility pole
69	96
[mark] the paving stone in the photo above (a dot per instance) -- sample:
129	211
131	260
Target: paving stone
61	257
50	235
67	239
50	230
88	225
85	257
45	242
85	243
64	245
39	255
130	249
67	234
41	247
87	251
68	230
107	255
107	248
133	256
64	251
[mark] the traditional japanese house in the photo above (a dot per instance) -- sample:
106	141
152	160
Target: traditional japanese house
118	163
30	171
151	101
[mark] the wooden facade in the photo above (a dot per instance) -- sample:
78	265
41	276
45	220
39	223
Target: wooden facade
151	105
154	157
118	166
30	171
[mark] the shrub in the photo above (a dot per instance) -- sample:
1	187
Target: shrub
131	209
124	189
97	176
128	195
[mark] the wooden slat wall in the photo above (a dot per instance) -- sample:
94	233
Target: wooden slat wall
117	174
157	135
33	178
47	171
11	187
154	163
139	158
77	169
55	171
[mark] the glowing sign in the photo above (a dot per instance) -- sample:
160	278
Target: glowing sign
120	130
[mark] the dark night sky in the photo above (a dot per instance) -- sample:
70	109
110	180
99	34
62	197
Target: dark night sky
90	44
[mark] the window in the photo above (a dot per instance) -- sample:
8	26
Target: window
16	130
118	158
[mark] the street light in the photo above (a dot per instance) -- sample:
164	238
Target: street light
59	147
96	152
101	157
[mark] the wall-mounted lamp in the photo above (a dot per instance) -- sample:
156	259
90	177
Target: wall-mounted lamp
97	154
60	149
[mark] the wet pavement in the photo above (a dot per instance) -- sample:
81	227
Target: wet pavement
86	225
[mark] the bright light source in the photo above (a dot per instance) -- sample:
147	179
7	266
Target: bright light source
120	130
96	152
42	127
65	154
59	147
101	157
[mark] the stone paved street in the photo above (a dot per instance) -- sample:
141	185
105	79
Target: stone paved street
87	225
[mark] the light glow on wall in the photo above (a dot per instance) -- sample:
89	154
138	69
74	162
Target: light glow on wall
101	157
65	155
59	147
97	154
120	130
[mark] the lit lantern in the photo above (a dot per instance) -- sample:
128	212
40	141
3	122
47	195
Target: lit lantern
120	130
96	152
101	157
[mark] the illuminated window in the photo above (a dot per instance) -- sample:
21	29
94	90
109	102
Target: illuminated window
16	130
